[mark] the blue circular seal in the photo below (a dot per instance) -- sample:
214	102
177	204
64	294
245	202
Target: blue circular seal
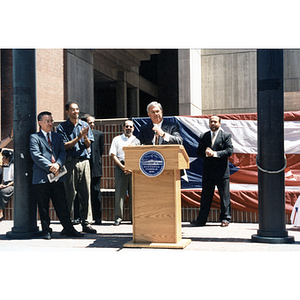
152	163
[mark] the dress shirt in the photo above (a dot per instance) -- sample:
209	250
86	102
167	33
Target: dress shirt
212	134
166	137
45	135
69	131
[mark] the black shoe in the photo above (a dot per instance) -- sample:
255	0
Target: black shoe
196	223
117	223
76	221
47	236
63	232
98	222
74	233
88	229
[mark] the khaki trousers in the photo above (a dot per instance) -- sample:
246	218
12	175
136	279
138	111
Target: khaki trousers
78	180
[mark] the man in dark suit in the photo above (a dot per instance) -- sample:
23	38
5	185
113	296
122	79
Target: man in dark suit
97	149
158	131
48	154
215	147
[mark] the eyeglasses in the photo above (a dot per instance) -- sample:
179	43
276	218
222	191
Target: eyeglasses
49	121
129	126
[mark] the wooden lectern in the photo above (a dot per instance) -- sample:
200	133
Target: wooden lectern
156	201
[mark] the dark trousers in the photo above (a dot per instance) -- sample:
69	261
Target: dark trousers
96	198
123	184
208	188
56	192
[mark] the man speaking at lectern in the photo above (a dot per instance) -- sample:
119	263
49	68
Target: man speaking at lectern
159	131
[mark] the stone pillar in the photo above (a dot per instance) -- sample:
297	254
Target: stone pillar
24	84
270	156
80	78
121	109
189	82
134	102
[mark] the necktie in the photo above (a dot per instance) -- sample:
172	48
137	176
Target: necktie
50	144
213	139
156	139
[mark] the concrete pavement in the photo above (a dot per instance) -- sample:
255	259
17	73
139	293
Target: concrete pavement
235	237
218	260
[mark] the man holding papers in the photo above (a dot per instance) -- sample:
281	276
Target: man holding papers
48	154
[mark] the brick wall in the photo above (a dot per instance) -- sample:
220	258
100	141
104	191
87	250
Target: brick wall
110	129
50	66
6	94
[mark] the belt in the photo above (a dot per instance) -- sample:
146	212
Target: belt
76	158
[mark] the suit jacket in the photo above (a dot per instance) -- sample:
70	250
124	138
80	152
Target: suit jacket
216	167
41	154
146	134
97	151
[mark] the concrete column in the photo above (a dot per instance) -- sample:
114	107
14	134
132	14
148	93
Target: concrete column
121	110
80	79
134	102
189	82
24	85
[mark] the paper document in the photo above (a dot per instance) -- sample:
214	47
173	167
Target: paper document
62	172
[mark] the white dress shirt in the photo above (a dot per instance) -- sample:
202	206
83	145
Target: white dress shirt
166	137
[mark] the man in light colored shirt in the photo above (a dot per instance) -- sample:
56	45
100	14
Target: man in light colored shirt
123	182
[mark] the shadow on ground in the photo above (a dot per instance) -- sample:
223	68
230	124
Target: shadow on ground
111	240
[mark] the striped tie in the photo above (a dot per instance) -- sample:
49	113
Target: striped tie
50	144
156	139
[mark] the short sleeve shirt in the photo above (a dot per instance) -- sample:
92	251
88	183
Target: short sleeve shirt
69	131
118	143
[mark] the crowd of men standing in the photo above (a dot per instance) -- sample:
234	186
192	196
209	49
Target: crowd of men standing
78	148
73	156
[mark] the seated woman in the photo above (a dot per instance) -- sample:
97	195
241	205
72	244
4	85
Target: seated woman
7	185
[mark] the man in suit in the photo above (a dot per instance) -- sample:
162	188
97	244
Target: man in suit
48	154
158	131
97	149
215	147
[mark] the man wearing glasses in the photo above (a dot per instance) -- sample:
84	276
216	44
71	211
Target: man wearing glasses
122	177
48	154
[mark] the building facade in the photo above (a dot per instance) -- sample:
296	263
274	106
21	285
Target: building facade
114	84
118	83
